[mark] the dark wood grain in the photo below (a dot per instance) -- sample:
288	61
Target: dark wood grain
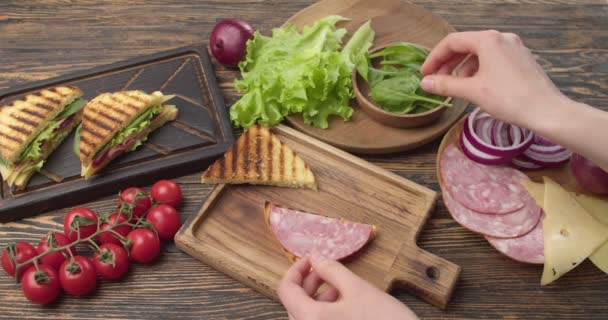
201	132
48	38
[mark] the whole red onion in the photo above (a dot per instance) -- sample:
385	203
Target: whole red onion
589	175
228	41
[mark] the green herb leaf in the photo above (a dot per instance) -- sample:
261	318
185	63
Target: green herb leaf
72	108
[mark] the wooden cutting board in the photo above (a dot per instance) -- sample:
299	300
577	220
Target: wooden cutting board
201	132
392	20
230	234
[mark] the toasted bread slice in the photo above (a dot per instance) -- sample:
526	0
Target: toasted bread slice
22	120
259	157
168	114
20	178
292	257
107	114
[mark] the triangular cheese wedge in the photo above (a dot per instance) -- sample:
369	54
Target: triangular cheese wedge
259	157
597	206
570	233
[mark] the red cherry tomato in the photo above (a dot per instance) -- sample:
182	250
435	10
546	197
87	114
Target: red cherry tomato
19	252
41	286
54	240
167	192
111	261
127	199
145	245
78	276
114	219
165	220
83	219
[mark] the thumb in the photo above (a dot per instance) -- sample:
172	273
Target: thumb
336	274
449	86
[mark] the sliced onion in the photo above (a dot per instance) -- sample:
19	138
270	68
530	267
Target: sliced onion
477	139
522	162
477	155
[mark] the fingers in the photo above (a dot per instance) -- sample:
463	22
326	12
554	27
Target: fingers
312	283
290	291
329	295
450	86
468	68
336	275
449	66
454	43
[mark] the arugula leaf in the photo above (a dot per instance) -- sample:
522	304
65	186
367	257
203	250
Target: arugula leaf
71	108
293	72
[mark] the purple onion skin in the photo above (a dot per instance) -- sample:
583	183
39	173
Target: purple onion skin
228	41
589	175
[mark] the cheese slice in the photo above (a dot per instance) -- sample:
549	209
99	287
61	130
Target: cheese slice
595	205
570	233
598	207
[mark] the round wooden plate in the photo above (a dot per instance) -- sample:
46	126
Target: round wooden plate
561	174
392	20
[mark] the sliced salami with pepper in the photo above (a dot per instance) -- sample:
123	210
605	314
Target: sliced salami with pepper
301	233
528	248
510	225
482	188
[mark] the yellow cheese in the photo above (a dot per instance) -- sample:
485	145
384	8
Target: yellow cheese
595	205
569	232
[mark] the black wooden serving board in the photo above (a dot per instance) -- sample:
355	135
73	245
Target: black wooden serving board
201	132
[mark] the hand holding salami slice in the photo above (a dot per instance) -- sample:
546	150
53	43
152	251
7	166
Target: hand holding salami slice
301	234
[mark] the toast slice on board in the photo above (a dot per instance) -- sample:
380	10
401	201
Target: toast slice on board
259	157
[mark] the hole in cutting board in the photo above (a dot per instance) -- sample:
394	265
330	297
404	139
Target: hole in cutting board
432	273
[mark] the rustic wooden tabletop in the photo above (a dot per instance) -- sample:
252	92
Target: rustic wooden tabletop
42	39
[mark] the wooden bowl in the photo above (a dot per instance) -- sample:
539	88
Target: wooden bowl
391	119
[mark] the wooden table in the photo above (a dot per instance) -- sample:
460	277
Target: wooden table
48	38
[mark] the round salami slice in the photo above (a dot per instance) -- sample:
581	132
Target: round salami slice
482	188
528	248
510	225
302	233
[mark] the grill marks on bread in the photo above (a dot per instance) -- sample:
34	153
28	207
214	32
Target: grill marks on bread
107	114
259	157
22	120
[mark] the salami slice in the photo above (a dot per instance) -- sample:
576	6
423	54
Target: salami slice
510	225
528	248
482	188
301	233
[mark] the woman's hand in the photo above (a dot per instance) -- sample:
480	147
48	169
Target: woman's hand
346	296
501	76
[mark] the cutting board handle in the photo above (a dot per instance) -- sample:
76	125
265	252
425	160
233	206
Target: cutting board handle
425	275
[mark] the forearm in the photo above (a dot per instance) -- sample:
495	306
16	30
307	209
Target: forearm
576	126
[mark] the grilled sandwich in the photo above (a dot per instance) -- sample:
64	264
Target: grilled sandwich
33	127
114	123
259	157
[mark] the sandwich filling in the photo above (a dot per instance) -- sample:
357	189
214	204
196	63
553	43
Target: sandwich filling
33	157
131	137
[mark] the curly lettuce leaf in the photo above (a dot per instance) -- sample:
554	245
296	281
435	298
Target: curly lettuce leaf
76	146
293	72
33	151
139	124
